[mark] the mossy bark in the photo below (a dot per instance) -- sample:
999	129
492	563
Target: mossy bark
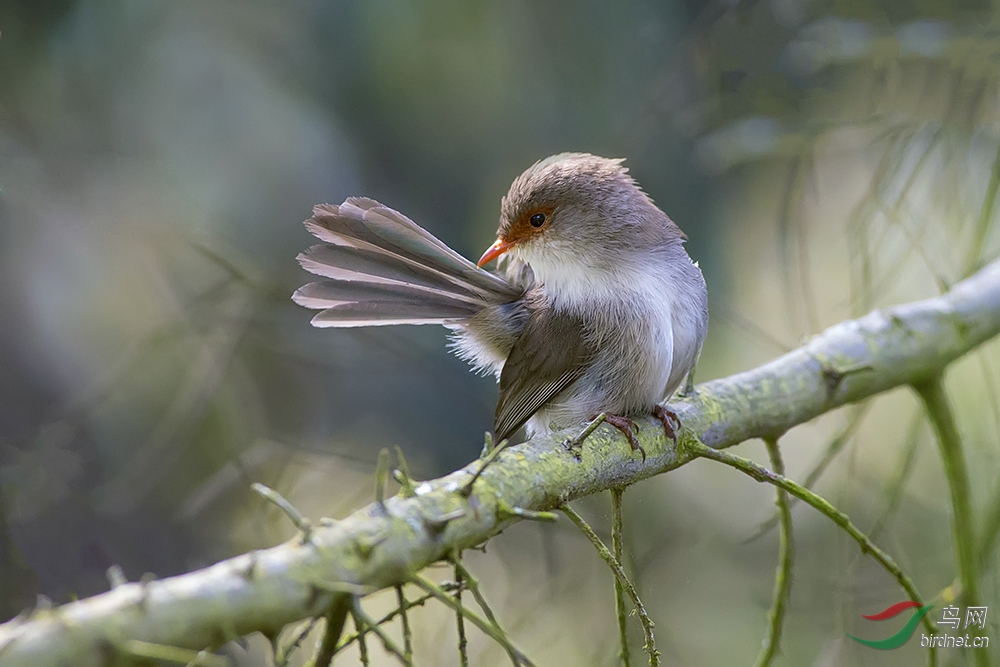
385	544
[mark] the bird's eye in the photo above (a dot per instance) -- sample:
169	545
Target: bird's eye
537	220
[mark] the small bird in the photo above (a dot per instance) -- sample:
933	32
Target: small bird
598	308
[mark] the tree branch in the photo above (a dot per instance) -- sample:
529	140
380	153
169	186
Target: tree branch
382	545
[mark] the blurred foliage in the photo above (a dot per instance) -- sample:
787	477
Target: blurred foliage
155	161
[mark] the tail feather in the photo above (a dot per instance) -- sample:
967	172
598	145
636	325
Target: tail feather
332	293
370	265
366	220
385	269
380	313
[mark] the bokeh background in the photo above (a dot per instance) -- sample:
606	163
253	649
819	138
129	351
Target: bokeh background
157	158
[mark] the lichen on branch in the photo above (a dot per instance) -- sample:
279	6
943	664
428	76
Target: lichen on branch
388	543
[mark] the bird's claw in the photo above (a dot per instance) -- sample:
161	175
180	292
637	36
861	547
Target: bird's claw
627	426
671	422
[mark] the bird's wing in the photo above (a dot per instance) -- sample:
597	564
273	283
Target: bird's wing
550	355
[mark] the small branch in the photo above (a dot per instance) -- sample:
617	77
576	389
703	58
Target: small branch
473	585
953	461
375	547
615	565
829	454
347	640
783	574
402	475
303	524
183	656
282	657
381	475
516	657
616	547
365	621
463	643
404	617
762	474
360	630
335	619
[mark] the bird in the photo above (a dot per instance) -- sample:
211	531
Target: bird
596	310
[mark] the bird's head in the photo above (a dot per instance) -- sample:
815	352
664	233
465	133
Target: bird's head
578	212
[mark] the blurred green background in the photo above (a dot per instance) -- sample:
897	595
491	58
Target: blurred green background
157	157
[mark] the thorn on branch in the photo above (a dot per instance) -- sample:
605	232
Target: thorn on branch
116	576
436	524
145	582
250	569
466	490
43	603
365	544
506	511
833	376
402	476
303	524
381	476
574	445
487	445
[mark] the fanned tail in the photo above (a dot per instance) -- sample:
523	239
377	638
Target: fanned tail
385	269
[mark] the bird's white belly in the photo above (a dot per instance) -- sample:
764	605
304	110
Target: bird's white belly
633	368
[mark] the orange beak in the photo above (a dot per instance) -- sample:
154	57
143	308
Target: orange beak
494	251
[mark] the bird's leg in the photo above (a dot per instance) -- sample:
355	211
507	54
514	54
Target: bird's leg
671	422
626	426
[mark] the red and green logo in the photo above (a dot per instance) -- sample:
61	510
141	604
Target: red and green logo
904	633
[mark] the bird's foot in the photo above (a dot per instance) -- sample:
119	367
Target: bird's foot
628	429
671	422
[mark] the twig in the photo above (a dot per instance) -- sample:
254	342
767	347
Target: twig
463	643
783	573
647	623
183	656
366	621
762	474
466	490
381	475
402	475
591	427
281	658
953	461
829	454
405	619
516	656
347	640
986	211
361	629
335	619
294	515
473	585
616	546
904	344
